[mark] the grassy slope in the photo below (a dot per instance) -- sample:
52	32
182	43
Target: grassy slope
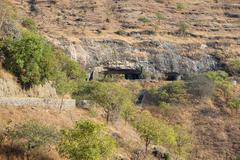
66	119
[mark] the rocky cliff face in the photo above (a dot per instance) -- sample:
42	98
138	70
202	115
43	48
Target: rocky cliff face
155	59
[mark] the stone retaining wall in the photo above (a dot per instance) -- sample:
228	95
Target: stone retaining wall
37	102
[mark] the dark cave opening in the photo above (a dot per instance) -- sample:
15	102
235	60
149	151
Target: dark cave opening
129	74
172	76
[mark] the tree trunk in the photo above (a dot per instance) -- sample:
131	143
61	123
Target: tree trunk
147	142
61	104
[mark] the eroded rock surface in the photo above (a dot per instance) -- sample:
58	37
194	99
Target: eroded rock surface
155	58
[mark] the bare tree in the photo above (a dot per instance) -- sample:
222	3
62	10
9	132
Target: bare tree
200	86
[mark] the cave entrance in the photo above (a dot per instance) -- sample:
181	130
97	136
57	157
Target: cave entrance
173	76
129	74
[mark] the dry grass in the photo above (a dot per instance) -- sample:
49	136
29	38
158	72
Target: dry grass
66	119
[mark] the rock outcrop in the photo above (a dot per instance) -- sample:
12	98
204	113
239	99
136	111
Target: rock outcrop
151	59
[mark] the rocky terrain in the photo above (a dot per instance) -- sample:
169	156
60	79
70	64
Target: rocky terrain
151	39
142	36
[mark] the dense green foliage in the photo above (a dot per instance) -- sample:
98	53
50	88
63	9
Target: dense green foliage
153	130
110	96
217	75
87	141
68	74
34	61
29	57
171	93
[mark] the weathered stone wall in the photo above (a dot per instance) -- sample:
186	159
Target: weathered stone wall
37	102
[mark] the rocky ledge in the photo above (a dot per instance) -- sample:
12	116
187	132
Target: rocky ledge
145	59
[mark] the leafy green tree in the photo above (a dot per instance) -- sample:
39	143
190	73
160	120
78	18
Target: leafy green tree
183	145
31	135
68	74
153	130
29	57
128	111
87	141
110	96
174	92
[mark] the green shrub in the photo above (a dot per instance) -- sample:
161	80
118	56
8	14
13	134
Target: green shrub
110	96
67	73
154	131
182	27
233	66
31	135
29	57
144	20
234	103
180	6
217	75
159	1
172	93
87	141
29	24
160	16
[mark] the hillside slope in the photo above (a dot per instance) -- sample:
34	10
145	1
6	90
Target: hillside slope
164	39
161	37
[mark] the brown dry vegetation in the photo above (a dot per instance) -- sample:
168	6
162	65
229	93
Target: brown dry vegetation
215	132
66	119
208	21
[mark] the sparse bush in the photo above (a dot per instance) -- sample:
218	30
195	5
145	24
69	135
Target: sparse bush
200	86
121	32
87	141
233	66
234	103
29	57
7	13
31	136
159	1
29	24
110	96
223	86
180	6
182	28
160	16
144	20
